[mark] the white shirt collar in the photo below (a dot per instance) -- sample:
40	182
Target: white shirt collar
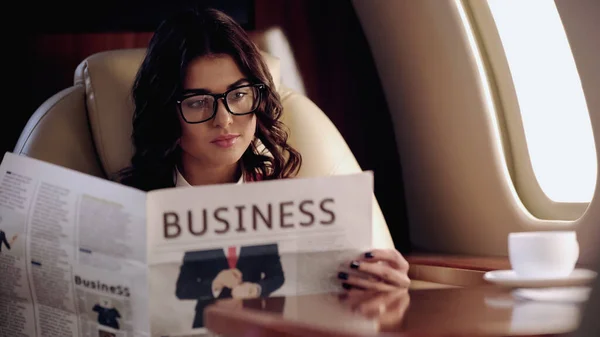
181	182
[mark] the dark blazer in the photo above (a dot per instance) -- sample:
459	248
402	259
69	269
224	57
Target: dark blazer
258	264
107	316
3	240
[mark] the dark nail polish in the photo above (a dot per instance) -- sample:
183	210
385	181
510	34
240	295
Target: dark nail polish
369	255
354	264
346	286
342	275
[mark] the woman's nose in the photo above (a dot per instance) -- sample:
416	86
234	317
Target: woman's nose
222	118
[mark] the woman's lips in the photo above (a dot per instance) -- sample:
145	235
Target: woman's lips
225	141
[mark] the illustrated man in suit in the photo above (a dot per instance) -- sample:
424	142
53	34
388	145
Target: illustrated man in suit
4	241
215	274
108	315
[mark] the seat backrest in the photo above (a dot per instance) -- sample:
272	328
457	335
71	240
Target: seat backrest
87	127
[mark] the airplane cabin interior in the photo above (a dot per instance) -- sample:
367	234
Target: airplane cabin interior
478	119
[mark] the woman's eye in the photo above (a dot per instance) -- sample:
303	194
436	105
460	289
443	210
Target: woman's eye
197	104
240	94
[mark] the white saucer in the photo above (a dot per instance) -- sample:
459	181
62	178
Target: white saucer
558	294
509	278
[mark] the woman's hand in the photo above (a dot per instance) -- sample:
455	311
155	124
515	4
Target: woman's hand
378	270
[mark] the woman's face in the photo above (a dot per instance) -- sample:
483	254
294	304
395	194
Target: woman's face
220	141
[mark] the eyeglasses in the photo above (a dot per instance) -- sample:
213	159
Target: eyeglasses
200	107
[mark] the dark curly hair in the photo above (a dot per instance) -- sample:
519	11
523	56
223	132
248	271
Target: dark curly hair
159	82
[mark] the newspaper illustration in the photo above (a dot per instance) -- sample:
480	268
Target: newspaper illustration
84	256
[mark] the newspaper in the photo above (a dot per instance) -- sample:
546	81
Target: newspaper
84	256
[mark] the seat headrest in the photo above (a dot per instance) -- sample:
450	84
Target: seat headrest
108	78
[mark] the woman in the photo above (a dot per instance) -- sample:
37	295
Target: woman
206	112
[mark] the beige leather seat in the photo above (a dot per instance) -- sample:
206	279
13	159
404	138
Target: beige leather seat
87	127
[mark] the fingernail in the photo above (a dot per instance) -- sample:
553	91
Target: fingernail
354	264
346	286
342	275
369	255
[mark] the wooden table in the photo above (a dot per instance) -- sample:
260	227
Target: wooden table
462	306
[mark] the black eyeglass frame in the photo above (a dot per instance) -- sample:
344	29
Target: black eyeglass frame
191	93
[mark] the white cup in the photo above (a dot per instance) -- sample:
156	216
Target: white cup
543	254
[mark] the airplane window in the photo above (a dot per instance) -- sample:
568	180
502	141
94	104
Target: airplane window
550	97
